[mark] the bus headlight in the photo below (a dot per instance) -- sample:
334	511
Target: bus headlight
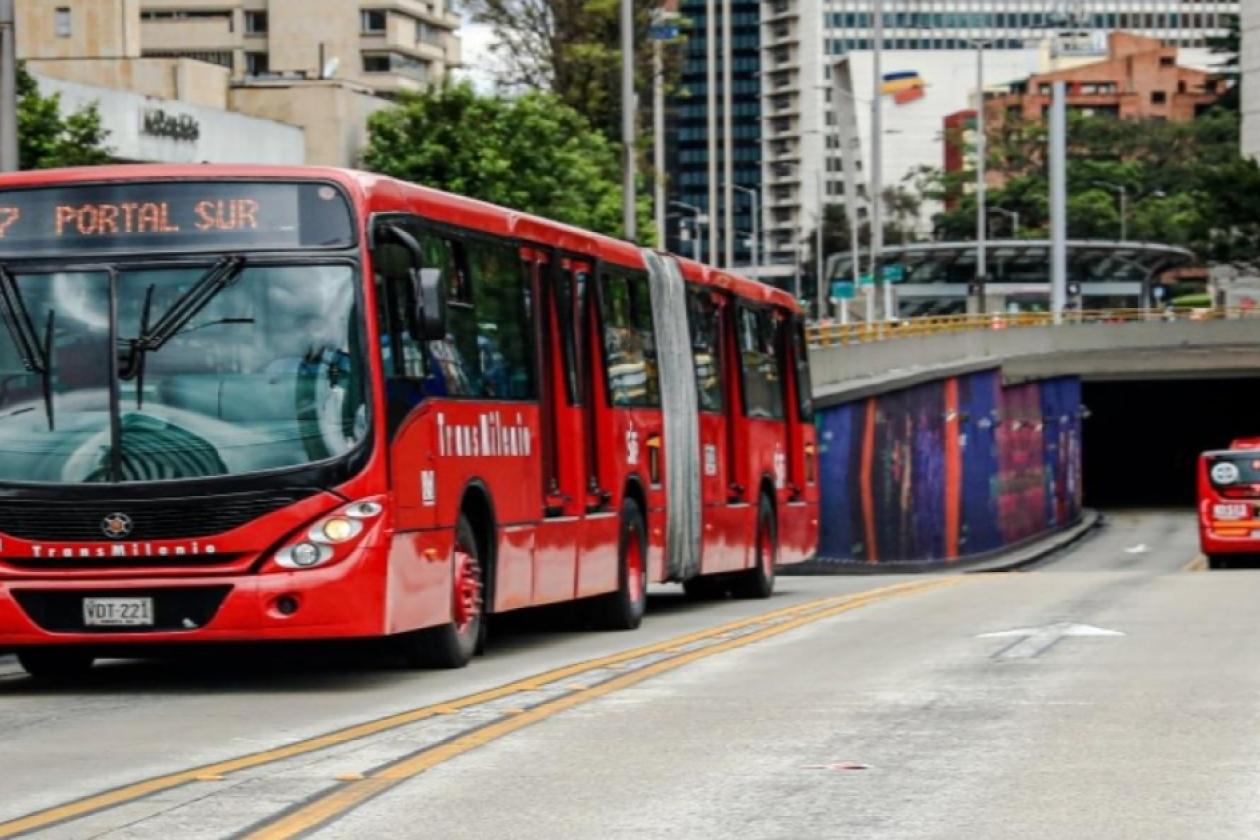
330	536
303	555
338	529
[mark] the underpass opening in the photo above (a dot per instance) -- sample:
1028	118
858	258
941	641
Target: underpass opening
1142	439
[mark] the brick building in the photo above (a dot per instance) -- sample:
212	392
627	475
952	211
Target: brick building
1139	79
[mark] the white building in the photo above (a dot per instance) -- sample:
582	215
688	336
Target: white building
150	129
935	39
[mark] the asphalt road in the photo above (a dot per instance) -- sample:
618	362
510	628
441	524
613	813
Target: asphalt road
1128	708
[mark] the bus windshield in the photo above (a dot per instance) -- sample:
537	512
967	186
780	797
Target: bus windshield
267	374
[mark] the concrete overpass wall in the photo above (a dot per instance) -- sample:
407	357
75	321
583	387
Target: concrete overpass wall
947	470
1092	351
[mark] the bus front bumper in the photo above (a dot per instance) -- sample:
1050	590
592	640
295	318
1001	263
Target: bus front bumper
338	601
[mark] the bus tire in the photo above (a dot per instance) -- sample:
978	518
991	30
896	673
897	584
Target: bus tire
1217	561
758	582
624	608
55	663
454	644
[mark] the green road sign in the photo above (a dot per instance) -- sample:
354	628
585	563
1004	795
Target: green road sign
866	280
894	273
843	290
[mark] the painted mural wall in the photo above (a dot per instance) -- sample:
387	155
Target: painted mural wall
947	470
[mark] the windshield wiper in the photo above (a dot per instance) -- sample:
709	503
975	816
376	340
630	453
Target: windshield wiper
36	354
220	277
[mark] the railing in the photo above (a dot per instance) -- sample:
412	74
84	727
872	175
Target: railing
832	334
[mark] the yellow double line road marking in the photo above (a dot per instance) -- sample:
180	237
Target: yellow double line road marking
352	793
1198	563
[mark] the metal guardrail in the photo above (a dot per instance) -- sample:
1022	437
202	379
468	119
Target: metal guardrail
835	334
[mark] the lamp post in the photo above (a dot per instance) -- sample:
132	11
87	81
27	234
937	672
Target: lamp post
698	219
1122	191
755	198
628	214
8	89
1013	215
877	157
982	187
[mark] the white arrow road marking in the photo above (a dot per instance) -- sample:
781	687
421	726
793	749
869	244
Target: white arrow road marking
1140	548
1034	641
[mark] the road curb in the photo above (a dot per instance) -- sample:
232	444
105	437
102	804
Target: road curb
1019	558
1003	560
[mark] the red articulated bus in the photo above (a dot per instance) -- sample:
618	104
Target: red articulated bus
1229	503
243	403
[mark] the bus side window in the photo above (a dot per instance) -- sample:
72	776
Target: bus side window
629	342
759	360
503	331
804	385
702	318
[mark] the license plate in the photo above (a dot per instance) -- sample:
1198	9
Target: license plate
1231	511
118	612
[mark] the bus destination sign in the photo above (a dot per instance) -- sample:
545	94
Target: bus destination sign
172	216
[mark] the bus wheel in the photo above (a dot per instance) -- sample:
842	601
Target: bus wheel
453	645
55	663
758	582
623	609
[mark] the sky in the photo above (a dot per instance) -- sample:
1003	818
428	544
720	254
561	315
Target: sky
478	60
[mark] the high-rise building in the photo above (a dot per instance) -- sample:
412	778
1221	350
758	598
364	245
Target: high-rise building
933	42
689	132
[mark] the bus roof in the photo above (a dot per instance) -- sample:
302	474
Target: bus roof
373	193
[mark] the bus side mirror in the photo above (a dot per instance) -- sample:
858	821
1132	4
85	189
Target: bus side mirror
430	293
427	287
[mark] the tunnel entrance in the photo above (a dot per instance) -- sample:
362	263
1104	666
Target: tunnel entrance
1142	438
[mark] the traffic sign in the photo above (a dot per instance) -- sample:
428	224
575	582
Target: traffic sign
894	273
843	290
664	32
866	280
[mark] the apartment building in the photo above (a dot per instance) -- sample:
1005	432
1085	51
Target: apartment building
387	46
934	41
321	65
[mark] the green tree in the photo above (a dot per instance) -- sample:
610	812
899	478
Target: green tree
1186	183
570	48
47	138
529	152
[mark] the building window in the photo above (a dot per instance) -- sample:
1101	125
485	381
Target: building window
257	64
62	22
255	23
1158	97
376	63
372	21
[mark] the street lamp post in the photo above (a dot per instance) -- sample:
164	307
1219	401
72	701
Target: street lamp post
628	214
755	198
8	89
877	158
1123	192
982	187
1013	215
697	220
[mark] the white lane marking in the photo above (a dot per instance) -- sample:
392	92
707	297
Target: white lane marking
1033	641
1140	548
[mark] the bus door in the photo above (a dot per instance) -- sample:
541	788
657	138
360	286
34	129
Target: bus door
798	518
555	282
763	443
720	529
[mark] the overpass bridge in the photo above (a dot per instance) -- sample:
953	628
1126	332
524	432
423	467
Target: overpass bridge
946	438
